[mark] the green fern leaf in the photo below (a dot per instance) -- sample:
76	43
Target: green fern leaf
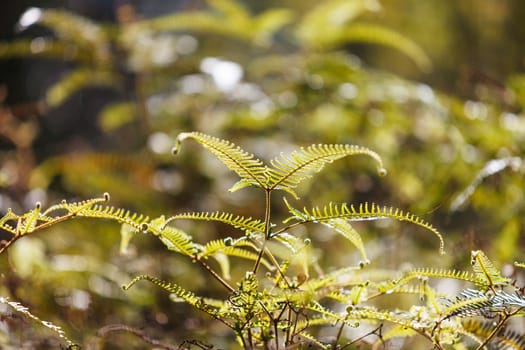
76	29
439	273
331	24
485	270
9	216
370	313
29	221
224	246
471	302
46	48
120	215
289	171
364	211
519	264
240	222
251	170
23	310
313	340
77	80
376	34
75	208
175	239
344	228
187	296
226	17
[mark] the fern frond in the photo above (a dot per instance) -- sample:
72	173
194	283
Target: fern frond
23	310
44	48
519	264
173	238
439	273
470	302
74	28
251	170
376	34
238	221
504	338
289	171
344	228
370	313
187	296
227	18
323	311
223	246
76	207
120	215
506	300
9	216
364	211
319	30
485	270
29	221
77	80
315	342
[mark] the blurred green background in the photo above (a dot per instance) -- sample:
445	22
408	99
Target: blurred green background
93	93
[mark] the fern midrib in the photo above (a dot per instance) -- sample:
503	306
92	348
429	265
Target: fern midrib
298	169
234	160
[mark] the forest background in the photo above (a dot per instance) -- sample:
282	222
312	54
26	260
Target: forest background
92	104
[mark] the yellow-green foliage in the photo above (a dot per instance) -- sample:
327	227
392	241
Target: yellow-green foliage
275	306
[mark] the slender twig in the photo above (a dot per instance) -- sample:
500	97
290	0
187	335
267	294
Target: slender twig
104	331
495	330
215	274
267	230
376	331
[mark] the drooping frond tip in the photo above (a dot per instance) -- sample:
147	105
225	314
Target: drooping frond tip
289	171
364	211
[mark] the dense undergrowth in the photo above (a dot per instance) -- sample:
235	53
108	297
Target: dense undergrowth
253	269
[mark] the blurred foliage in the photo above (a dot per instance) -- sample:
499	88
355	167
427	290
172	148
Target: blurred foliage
268	78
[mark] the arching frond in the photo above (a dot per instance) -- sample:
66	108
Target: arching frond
439	273
237	221
364	211
74	28
317	29
370	313
120	215
35	219
289	171
77	80
227	18
251	170
181	293
485	270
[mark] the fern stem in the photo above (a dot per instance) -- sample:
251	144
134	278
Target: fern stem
495	330
267	229
215	275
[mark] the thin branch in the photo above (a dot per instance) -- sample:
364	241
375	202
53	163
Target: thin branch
104	331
